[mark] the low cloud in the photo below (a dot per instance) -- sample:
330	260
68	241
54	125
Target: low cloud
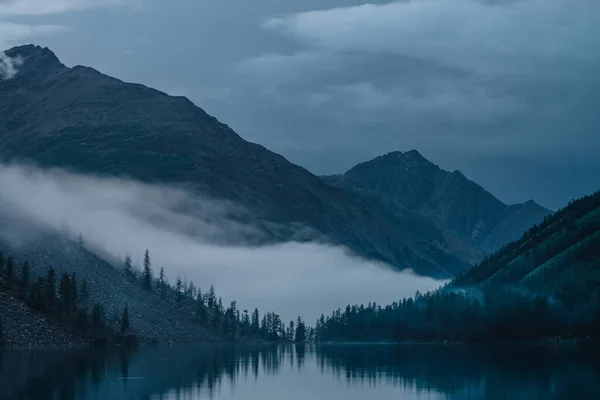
8	66
202	240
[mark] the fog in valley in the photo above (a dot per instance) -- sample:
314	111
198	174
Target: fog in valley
203	244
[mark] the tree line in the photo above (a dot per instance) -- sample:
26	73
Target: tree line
461	315
64	300
208	310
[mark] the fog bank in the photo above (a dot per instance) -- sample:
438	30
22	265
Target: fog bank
205	244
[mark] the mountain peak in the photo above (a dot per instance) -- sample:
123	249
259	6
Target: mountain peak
34	58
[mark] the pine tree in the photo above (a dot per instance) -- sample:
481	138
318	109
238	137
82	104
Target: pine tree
24	283
125	321
50	290
178	292
10	272
74	292
81	322
80	240
291	331
161	282
36	294
255	325
128	265
2	267
84	294
211	297
300	331
65	291
147	271
97	317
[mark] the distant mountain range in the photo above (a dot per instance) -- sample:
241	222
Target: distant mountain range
398	208
462	209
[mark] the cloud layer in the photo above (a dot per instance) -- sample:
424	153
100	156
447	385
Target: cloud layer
467	33
203	244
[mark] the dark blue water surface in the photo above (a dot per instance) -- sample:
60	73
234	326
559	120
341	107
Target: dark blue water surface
334	372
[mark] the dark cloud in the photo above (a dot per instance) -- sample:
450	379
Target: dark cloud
504	90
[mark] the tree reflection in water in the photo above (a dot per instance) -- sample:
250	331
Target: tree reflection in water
201	371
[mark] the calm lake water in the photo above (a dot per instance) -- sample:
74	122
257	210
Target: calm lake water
302	372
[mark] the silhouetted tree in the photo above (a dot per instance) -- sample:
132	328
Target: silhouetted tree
97	317
10	272
178	292
24	283
82	322
74	292
84	293
162	284
125	321
300	331
65	291
147	271
255	325
128	267
211	297
50	290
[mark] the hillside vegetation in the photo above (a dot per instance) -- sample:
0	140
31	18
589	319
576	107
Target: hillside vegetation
544	285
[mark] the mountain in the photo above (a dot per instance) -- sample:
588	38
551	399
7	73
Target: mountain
558	259
80	119
460	207
543	287
560	256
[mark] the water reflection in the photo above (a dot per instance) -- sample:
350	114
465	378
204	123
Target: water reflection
300	372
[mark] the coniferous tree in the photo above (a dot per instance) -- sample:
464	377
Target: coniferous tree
300	331
147	271
36	294
125	321
291	332
211	298
84	293
2	267
10	272
50	290
24	283
74	292
80	240
161	282
65	291
128	267
97	317
178	292
82	322
255	325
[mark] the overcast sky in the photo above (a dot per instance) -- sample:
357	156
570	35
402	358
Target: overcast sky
507	91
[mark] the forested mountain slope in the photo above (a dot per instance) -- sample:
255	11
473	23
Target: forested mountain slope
560	256
544	285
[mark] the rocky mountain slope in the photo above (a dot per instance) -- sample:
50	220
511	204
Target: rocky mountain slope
462	209
80	119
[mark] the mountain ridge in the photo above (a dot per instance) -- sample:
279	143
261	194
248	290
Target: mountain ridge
82	120
461	206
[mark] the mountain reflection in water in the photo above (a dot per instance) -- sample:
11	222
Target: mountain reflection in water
302	372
